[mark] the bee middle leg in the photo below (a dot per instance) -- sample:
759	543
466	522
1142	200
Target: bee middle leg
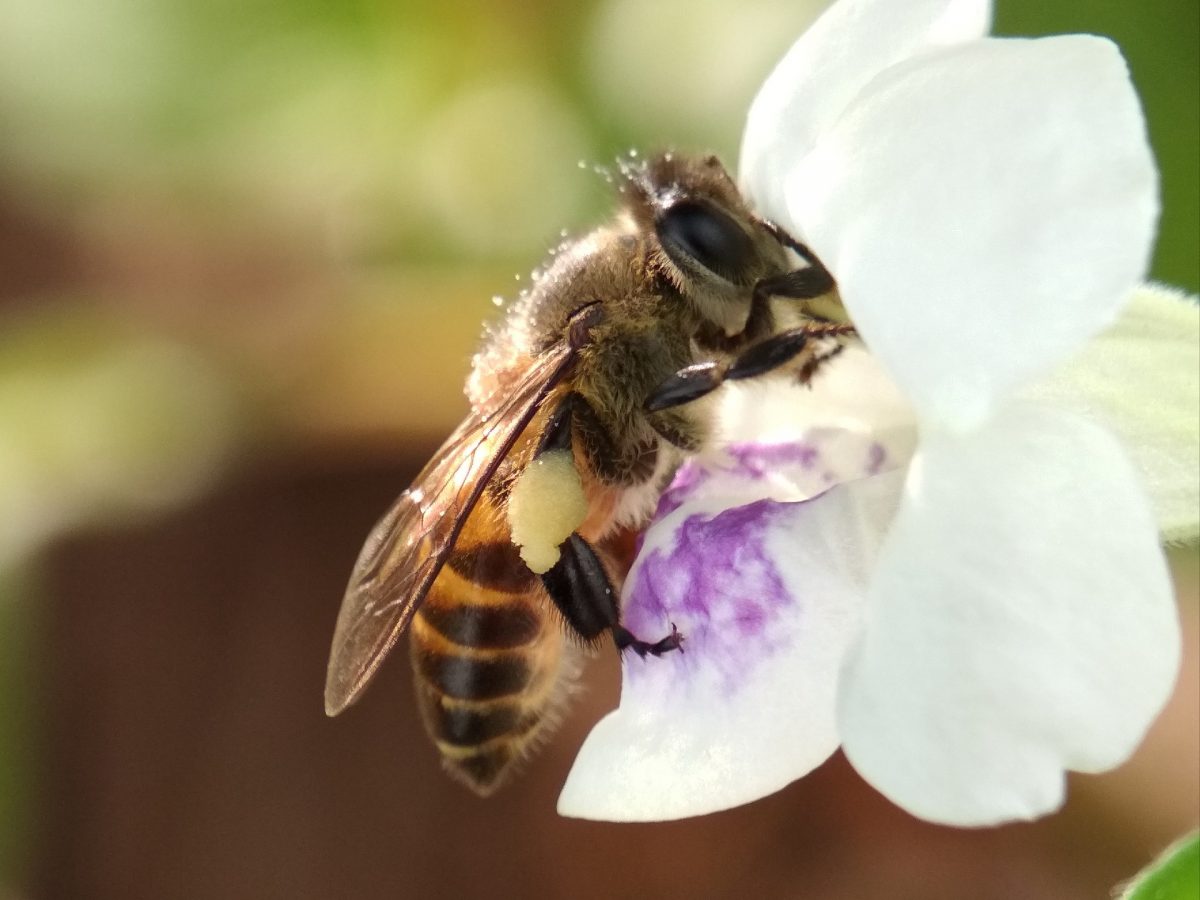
696	381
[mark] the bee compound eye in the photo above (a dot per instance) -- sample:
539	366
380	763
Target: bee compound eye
694	233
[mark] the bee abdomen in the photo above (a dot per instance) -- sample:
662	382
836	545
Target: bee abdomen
474	724
493	565
465	674
505	626
484	769
487	663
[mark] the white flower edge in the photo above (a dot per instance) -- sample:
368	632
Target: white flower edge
1016	627
986	208
810	88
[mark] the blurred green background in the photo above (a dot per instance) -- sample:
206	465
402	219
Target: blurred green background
235	236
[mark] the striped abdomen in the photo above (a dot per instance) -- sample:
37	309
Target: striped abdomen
488	655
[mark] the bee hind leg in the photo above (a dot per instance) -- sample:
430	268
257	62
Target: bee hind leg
584	594
625	640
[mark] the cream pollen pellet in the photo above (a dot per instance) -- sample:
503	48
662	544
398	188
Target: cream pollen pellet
545	506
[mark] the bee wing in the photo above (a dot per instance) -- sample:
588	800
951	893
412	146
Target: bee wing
407	548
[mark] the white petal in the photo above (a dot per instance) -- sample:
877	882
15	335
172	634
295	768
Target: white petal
985	208
1142	377
852	42
786	472
852	393
767	597
1021	623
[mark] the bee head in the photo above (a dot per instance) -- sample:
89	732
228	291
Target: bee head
711	246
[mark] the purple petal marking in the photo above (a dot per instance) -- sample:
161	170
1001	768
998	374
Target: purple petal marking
746	462
758	460
720	585
690	476
711	572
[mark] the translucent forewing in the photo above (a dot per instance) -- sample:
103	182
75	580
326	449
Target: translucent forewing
407	548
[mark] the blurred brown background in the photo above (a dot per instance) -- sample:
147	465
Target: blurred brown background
245	250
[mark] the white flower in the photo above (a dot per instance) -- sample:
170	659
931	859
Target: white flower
966	590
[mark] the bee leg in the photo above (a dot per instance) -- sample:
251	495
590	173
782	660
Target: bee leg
682	431
580	588
766	356
684	386
614	463
791	243
578	583
778	350
811	366
625	640
698	380
800	284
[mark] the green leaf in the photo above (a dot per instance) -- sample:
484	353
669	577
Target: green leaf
1173	876
1141	377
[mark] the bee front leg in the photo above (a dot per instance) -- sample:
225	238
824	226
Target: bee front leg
778	350
800	284
701	379
809	283
581	589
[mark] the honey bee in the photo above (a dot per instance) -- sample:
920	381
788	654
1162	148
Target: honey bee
583	404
